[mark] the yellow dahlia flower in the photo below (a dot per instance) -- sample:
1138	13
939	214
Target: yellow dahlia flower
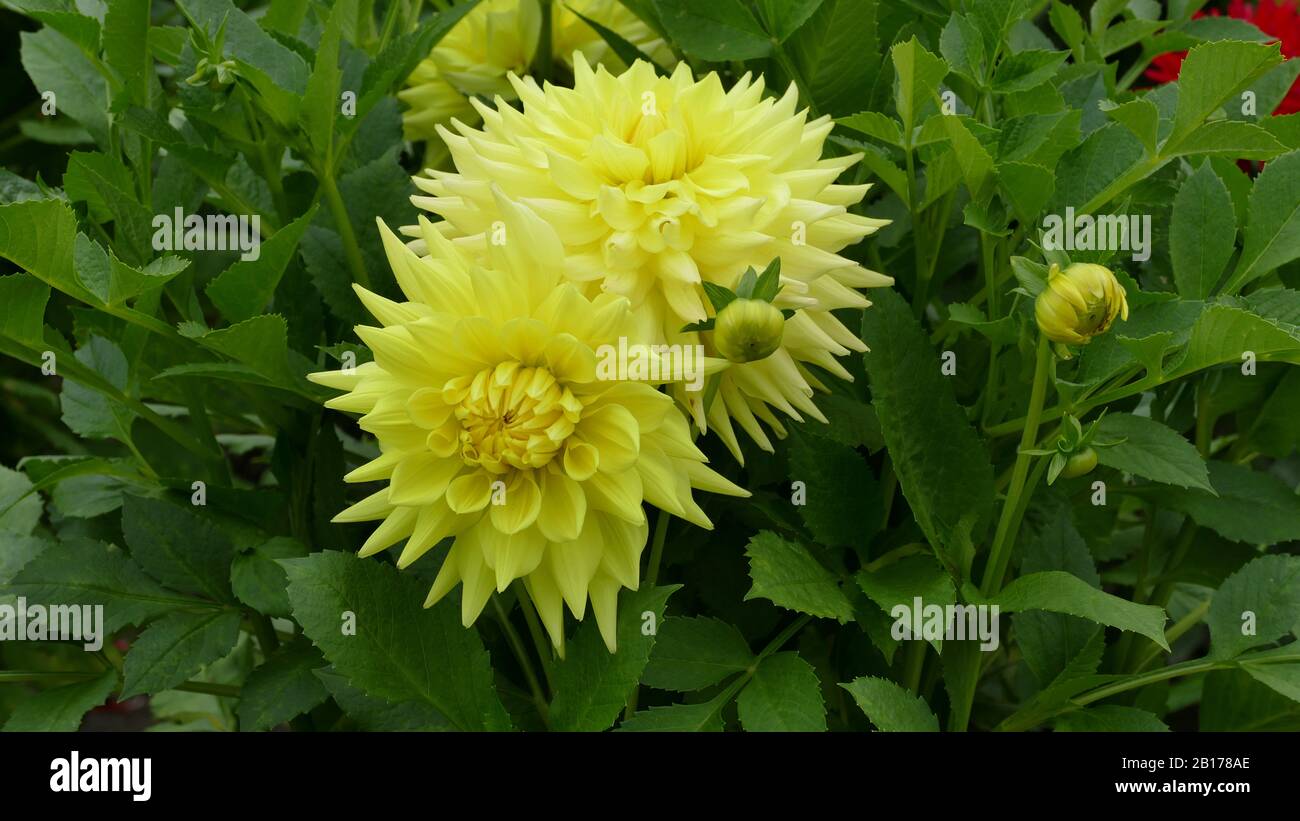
657	184
495	429
1079	303
500	36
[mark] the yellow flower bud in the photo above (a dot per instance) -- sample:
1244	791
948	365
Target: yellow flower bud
748	329
1079	303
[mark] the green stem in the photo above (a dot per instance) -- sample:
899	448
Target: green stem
351	250
543	646
1004	537
521	653
913	664
657	547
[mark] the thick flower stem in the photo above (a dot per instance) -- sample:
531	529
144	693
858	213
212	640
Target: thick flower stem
1004	537
351	250
521	654
657	547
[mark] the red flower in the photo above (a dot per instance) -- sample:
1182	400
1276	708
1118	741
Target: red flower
1280	19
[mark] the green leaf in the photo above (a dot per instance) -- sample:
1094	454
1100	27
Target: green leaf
942	466
994	18
785	17
1027	69
962	46
1273	507
89	413
241	291
126	30
974	160
718	31
321	102
1233	700
1211	74
918	76
1229	138
1099	160
20	508
175	647
179	547
56	64
63	17
1049	641
82	571
377	715
22	309
261	344
1199	255
788	575
899	582
890	707
61	709
1281	678
874	124
1150	450
281	688
38	236
591	685
1059	592
1224	333
784	696
259	581
1258	604
694	653
1110	718
677	718
1139	116
1029	188
400	651
841	497
837	53
1273	230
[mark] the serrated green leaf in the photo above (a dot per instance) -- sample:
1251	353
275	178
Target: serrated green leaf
284	686
1272	234
175	647
890	707
1150	450
1059	592
694	653
918	76
1110	718
718	31
243	290
592	684
784	696
1258	604
1199	255
942	466
391	656
841	496
61	709
1212	73
677	718
181	548
785	573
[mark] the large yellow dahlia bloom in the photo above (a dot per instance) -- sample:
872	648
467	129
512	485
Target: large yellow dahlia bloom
657	184
495	428
498	37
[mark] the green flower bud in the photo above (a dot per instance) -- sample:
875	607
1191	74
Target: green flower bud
1080	463
1079	303
748	329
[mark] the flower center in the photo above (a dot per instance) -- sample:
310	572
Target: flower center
514	416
